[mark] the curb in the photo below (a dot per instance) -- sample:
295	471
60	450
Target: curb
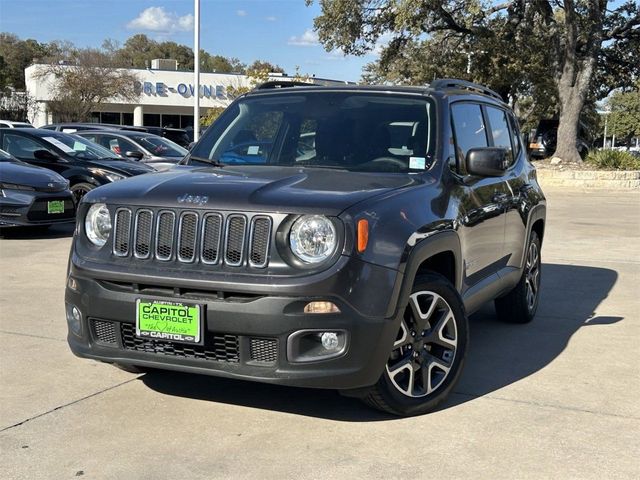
596	179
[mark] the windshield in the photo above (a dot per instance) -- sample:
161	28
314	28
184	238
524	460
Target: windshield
78	147
160	146
344	130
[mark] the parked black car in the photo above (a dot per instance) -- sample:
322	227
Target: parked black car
157	152
176	135
545	139
84	164
32	196
347	255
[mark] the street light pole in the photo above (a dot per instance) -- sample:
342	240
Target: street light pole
196	71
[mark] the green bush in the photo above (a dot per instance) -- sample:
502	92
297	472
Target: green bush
613	160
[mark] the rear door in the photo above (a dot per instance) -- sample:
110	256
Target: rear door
481	205
506	134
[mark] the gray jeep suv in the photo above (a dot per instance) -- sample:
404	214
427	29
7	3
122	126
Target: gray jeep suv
329	237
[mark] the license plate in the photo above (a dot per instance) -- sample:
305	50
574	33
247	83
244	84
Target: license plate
55	206
171	321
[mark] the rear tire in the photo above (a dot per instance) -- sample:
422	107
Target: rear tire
521	303
428	354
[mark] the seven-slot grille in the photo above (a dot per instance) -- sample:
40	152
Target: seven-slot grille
189	236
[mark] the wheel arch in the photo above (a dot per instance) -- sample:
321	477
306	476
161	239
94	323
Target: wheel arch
439	253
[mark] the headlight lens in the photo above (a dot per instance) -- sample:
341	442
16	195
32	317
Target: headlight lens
111	176
97	224
313	238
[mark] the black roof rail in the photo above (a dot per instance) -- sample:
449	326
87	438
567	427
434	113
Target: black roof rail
448	83
283	84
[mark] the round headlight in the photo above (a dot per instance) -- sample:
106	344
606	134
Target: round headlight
313	238
97	224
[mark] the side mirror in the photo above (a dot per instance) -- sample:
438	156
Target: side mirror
487	162
135	154
45	155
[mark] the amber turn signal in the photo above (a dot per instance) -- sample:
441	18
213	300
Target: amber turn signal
321	307
363	234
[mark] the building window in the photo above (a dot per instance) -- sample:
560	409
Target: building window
110	117
186	121
95	117
152	120
127	118
171	121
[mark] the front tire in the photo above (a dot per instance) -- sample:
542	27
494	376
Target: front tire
521	303
79	190
429	351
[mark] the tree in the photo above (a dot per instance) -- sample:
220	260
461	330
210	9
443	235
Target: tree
566	37
15	56
260	65
84	79
220	64
624	120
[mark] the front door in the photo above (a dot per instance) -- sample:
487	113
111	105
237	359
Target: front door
482	220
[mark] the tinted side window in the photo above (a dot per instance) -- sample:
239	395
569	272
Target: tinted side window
21	147
470	131
500	130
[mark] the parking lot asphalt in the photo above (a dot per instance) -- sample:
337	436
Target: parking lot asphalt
557	398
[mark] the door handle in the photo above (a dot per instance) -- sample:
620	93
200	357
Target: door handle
500	197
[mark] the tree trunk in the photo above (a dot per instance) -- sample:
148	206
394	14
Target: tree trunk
572	95
578	63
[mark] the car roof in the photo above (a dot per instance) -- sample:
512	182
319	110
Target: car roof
120	133
440	87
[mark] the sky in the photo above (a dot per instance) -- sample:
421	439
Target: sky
279	31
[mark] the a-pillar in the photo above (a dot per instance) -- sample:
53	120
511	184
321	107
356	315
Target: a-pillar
138	116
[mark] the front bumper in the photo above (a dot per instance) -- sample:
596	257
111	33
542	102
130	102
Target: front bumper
246	334
20	208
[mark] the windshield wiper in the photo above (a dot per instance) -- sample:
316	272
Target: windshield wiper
210	161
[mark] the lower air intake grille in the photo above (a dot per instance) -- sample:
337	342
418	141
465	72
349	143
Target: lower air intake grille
217	348
264	350
104	332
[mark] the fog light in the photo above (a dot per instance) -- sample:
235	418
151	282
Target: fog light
321	307
315	345
330	340
74	319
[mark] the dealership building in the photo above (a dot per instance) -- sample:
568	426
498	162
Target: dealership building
165	96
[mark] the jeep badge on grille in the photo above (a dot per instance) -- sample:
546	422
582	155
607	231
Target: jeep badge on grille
194	199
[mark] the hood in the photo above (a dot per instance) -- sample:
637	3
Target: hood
123	166
39	178
251	188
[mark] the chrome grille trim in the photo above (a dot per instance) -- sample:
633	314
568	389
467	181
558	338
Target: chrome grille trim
167	242
210	238
234	241
259	247
187	237
192	236
122	228
142	239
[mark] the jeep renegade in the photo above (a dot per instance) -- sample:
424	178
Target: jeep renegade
329	237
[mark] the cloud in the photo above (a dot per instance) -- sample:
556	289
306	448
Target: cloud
157	19
270	18
241	13
336	54
308	39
